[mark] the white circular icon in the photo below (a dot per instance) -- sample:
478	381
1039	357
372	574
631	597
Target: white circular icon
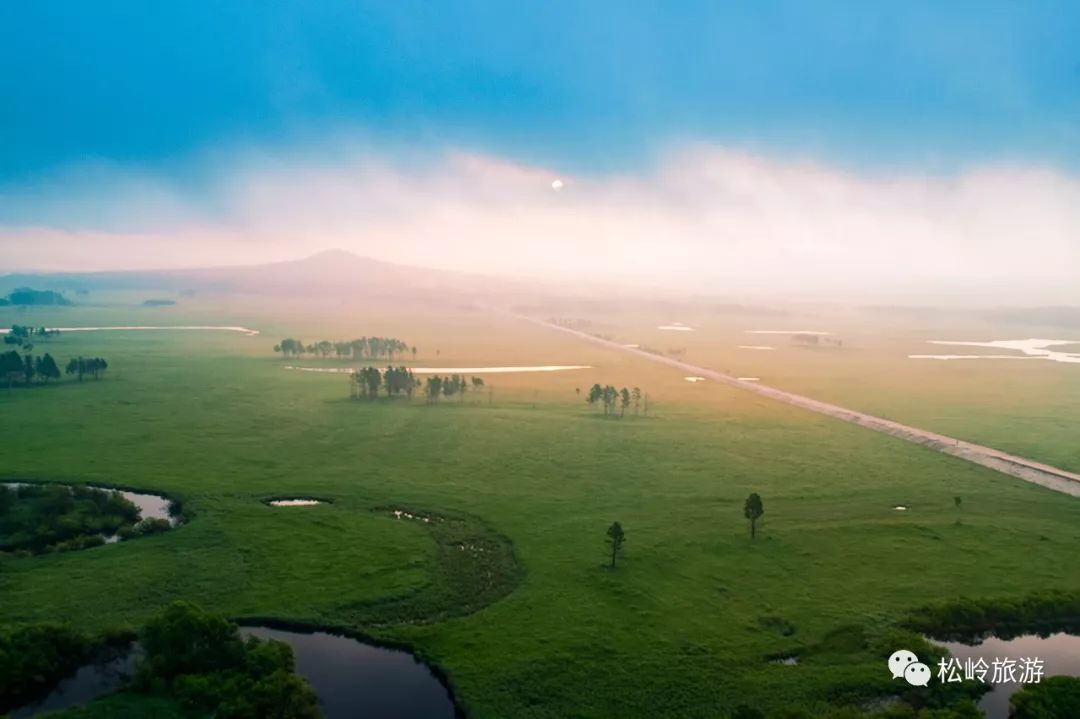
917	674
899	661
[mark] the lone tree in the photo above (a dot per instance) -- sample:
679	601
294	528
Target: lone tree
616	537
753	510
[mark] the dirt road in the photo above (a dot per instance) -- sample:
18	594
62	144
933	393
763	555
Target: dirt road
1044	475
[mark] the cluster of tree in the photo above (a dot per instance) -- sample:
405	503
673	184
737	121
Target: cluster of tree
39	518
201	661
363	348
753	509
364	383
1051	698
34	658
190	659
451	385
24	336
26	296
82	366
815	339
614	400
969	619
26	368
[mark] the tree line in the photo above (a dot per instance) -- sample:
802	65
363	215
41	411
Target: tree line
26	369
365	383
451	385
23	336
616	400
358	349
753	510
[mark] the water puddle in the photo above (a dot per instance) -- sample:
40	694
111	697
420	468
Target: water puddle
1059	653
1028	349
242	330
454	370
352	678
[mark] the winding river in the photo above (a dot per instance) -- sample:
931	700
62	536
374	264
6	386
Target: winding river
351	678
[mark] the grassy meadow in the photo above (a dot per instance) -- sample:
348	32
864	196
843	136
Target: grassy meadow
683	627
1028	407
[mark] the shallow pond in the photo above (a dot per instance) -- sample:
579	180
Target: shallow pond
1028	349
353	679
1059	653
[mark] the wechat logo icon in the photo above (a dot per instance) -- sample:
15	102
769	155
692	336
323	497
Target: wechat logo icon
905	664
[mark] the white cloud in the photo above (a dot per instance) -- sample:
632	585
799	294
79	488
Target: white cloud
704	217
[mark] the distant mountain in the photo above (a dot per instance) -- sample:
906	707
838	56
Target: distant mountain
333	271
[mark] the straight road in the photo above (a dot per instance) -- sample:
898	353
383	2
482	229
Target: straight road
1028	470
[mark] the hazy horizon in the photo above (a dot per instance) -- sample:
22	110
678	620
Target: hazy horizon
696	151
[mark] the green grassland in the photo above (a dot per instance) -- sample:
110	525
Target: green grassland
1028	407
683	627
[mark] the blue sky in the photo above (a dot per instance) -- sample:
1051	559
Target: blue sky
761	144
589	86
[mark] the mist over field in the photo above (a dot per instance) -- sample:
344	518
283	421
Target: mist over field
702	219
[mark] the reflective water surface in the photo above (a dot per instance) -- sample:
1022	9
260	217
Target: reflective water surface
1059	653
